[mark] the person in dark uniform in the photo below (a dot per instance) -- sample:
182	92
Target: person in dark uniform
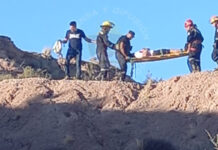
193	45
214	22
74	36
101	50
123	54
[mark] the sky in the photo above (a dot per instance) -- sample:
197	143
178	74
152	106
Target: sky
35	25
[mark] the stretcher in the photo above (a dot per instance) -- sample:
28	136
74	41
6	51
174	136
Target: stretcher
162	54
171	53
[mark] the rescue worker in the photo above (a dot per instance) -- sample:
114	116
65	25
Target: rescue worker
193	46
214	22
123	54
101	50
74	36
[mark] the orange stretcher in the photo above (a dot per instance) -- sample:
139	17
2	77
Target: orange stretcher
173	53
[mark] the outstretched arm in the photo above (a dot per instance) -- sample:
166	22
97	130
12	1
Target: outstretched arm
108	43
89	40
64	40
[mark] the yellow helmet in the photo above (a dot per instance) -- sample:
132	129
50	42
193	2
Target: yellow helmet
107	24
213	19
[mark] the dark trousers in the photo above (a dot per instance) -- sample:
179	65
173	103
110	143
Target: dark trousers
104	64
123	64
215	55
194	65
71	53
103	59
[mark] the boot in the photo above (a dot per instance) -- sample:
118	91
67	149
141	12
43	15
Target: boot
121	76
216	69
195	68
67	77
101	76
104	75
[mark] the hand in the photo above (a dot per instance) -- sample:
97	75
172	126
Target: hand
63	41
128	58
93	41
117	46
215	46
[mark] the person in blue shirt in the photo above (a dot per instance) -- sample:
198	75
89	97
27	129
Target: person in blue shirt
74	36
123	54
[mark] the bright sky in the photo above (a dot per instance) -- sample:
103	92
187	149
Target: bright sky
34	25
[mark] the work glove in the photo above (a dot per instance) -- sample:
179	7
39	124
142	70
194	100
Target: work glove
117	46
114	47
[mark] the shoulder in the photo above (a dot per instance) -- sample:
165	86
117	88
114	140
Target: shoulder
68	31
196	30
80	31
123	38
192	32
100	35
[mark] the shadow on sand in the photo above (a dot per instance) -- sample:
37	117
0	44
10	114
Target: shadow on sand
49	125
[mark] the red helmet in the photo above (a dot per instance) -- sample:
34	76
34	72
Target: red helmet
188	23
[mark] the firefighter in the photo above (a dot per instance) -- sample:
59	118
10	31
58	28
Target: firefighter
101	50
123	54
74	36
214	22
193	46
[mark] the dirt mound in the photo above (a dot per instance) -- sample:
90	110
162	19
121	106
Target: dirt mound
196	92
99	115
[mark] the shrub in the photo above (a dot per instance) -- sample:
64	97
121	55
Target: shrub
29	72
5	76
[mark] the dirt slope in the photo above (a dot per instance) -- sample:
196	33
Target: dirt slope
41	114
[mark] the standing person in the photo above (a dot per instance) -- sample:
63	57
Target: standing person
101	50
74	36
123	54
214	22
193	45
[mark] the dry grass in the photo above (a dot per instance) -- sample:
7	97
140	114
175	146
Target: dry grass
28	72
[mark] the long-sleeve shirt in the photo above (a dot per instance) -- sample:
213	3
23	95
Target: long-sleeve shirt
103	42
194	34
216	38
